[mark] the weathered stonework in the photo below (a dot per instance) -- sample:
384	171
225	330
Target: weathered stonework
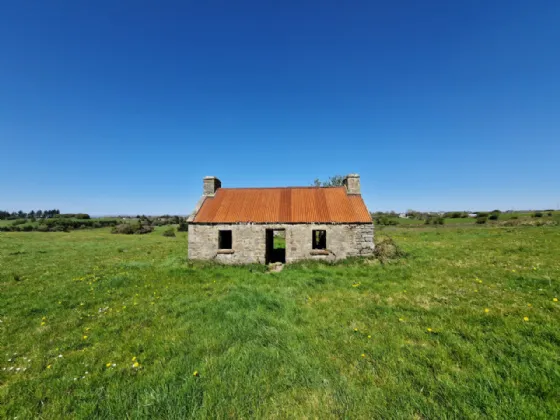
249	242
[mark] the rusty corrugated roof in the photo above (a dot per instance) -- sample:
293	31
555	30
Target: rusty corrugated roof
283	205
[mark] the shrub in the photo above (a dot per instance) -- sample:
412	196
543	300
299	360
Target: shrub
387	249
132	228
18	222
169	232
124	228
481	220
144	229
183	227
434	220
538	214
494	216
42	228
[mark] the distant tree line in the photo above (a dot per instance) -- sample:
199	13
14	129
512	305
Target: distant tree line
54	221
33	214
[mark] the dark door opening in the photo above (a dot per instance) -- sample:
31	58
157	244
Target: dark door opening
275	246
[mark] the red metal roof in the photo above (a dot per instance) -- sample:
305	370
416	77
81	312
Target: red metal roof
283	205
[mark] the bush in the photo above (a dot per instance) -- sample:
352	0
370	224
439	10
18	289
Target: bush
18	222
387	249
537	214
124	228
481	220
169	232
494	216
386	221
434	220
132	228
183	227
144	229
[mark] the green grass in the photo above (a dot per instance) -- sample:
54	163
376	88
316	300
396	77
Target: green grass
318	341
455	222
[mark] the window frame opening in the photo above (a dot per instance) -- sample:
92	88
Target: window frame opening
225	238
319	239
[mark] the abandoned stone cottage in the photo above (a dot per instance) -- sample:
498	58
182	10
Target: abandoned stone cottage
239	225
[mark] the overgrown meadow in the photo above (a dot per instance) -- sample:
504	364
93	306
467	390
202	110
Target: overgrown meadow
466	324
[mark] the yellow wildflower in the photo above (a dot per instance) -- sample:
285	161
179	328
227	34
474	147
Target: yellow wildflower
363	355
429	329
525	318
529	305
555	299
134	359
355	330
369	336
49	366
43	323
85	337
136	364
486	310
195	373
108	364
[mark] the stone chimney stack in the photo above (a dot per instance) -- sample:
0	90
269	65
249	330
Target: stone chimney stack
211	185
352	184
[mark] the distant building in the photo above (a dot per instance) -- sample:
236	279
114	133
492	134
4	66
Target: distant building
237	225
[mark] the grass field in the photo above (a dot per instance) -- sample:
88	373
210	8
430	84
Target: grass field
95	325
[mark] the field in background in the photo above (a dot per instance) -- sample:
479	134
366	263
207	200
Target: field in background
114	326
454	222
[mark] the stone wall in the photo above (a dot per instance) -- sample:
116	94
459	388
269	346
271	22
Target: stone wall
249	242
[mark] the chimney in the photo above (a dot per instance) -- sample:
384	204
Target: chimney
211	185
352	184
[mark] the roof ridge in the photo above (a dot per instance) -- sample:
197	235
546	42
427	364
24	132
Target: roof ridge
277	188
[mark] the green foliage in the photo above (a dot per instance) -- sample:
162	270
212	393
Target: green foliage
282	345
170	232
183	227
386	249
385	221
494	216
481	220
333	181
538	214
139	228
434	220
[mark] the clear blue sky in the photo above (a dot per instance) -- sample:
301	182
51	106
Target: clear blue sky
114	107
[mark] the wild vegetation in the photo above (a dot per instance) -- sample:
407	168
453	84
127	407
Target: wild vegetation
446	322
54	221
414	218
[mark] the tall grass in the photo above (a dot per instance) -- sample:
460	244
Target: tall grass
437	333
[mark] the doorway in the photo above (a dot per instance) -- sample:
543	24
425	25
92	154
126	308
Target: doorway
275	246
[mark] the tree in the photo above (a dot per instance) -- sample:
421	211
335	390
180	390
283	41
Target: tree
333	181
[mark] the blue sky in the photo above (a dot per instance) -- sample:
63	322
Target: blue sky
123	107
